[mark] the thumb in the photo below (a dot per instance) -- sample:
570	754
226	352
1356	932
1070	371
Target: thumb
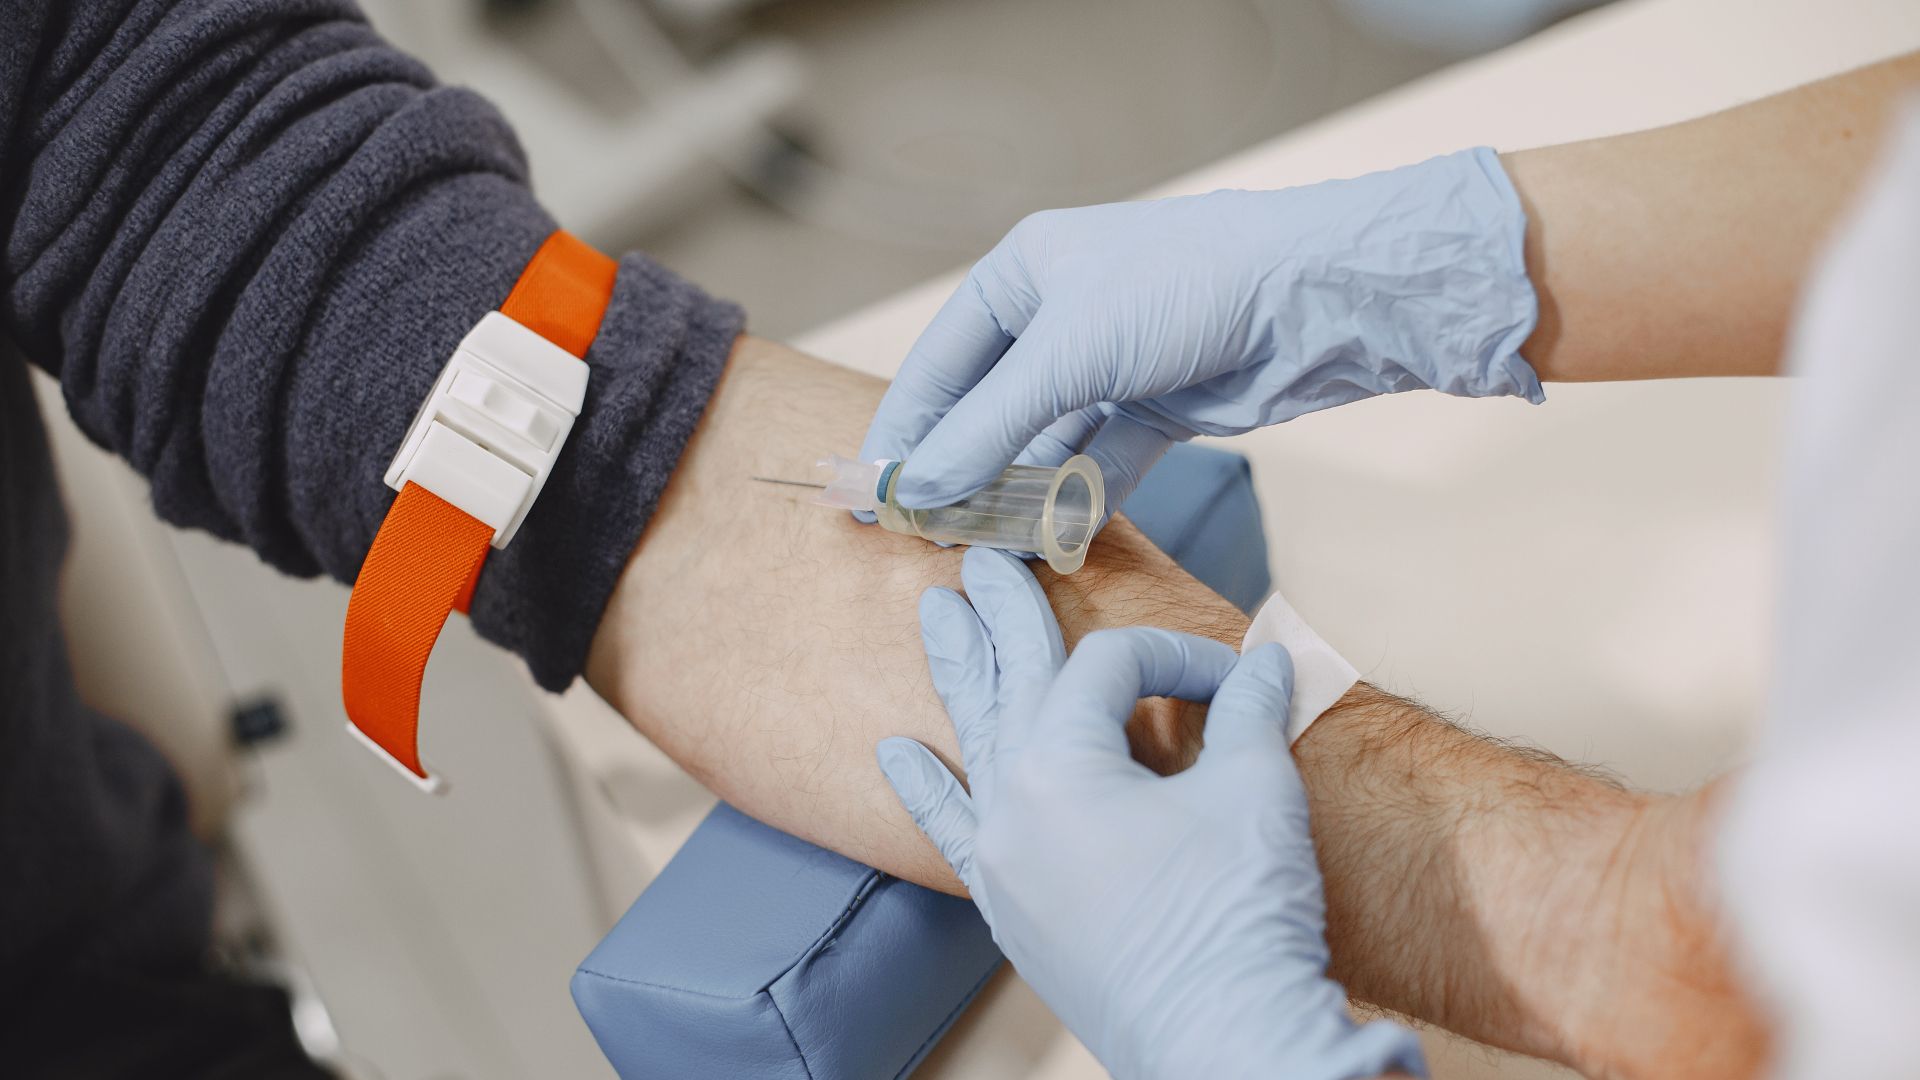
1248	714
933	797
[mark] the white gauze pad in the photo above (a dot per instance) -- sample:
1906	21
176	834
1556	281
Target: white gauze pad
1320	675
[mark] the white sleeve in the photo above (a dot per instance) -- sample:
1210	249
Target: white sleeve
1819	857
1821	871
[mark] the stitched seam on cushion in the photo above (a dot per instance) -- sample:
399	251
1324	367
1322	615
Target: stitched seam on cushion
941	1028
791	1038
826	937
838	922
665	986
784	1025
873	879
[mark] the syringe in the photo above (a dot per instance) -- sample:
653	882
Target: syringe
1050	512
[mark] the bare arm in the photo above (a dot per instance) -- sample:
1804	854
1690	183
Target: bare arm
1680	251
767	645
1505	895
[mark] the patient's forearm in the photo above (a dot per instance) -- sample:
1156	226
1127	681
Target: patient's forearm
1505	895
1680	251
767	644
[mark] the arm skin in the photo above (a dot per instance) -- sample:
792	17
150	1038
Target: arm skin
1681	251
1498	892
767	645
806	623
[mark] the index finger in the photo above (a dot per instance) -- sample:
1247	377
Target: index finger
1091	701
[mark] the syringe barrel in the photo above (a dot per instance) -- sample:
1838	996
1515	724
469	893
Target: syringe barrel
1050	512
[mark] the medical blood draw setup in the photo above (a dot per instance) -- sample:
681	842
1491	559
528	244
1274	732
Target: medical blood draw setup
1409	506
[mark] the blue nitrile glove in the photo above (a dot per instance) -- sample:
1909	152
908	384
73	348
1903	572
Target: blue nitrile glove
1174	924
1116	330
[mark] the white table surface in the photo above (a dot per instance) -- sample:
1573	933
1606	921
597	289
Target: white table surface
1593	575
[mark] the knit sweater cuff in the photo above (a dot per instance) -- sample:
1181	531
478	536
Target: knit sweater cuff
660	351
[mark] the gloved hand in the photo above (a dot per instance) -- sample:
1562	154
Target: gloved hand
1175	924
1116	330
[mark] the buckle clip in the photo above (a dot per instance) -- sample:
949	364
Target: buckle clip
488	434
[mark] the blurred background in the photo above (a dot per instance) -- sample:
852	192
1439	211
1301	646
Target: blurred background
806	156
811	157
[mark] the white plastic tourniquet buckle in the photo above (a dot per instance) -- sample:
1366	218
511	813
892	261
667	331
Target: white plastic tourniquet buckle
488	434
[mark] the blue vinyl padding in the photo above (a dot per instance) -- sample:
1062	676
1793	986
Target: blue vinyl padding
1198	505
755	954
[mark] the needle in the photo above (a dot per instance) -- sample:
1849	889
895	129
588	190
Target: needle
789	483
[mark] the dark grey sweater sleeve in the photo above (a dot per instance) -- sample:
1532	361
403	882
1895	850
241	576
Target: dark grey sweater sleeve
246	234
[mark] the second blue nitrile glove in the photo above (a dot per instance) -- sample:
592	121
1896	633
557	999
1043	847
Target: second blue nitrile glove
1174	923
1116	330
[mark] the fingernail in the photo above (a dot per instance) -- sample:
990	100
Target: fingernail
940	622
911	496
901	765
916	492
1273	664
991	566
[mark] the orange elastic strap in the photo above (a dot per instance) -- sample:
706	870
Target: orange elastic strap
562	294
426	558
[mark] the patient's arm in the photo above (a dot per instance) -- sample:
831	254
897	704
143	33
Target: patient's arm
1500	893
768	644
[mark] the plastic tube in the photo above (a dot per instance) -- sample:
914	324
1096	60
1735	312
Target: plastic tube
1030	508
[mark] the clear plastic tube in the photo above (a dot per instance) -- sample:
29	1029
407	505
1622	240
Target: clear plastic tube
1050	512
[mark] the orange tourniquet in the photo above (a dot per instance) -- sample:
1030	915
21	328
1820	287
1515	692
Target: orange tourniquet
427	556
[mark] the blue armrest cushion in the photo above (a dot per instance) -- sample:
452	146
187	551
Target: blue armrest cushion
1198	506
755	954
